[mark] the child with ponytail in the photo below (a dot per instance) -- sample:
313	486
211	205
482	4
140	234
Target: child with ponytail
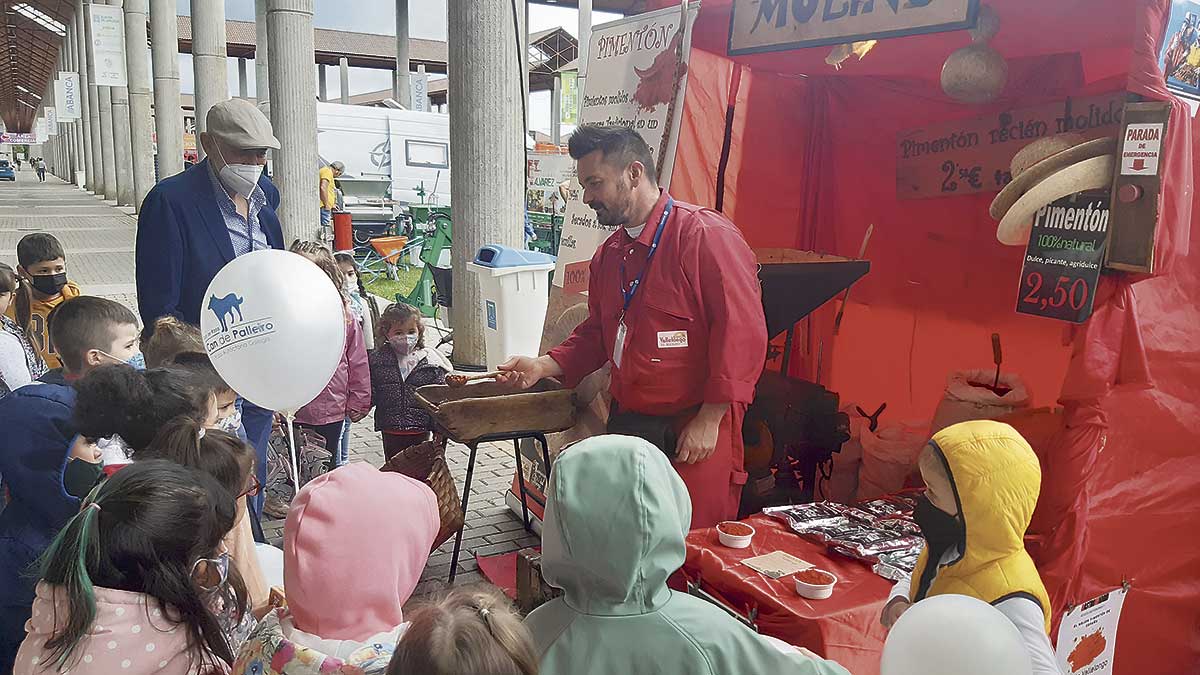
467	631
230	461
125	586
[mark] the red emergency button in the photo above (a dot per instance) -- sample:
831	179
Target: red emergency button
1129	193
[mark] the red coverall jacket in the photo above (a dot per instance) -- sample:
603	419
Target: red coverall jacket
695	334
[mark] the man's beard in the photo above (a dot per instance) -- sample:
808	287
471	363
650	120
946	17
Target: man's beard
610	214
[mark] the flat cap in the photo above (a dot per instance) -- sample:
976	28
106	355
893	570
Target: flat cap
240	124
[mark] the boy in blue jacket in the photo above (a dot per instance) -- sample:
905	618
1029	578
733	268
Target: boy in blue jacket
36	432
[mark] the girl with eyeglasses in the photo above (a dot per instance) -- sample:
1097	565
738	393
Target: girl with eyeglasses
230	461
126	586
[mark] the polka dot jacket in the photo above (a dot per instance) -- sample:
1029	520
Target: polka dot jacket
131	634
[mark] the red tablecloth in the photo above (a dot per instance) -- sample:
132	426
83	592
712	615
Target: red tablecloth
844	628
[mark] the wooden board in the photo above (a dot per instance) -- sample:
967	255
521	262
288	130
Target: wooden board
973	155
774	25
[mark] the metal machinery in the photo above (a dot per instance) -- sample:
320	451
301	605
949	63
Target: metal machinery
793	427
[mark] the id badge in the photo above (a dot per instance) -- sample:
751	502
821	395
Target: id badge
619	344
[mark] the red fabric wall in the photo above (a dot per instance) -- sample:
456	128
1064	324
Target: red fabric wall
813	164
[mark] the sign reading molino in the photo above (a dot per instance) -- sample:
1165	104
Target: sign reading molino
774	25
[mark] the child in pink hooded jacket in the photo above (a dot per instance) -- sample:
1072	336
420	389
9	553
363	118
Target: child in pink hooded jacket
348	394
125	588
339	624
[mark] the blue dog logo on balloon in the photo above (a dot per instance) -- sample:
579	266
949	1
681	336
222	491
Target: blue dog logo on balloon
226	306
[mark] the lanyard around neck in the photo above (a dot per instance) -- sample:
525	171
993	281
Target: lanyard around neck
662	223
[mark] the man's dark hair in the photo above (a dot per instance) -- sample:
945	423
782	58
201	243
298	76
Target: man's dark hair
37	248
621	146
84	323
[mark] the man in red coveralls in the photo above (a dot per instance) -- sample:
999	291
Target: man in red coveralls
674	304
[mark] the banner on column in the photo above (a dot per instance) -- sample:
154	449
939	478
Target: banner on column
569	104
108	45
51	120
66	96
418	86
39	130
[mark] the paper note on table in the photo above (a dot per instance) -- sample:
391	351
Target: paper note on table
776	564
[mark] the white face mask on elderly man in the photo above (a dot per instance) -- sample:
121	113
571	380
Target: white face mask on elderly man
240	178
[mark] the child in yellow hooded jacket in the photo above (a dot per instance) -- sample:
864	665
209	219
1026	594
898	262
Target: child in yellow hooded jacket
983	481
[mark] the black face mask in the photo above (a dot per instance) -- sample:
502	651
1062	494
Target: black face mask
81	476
940	529
49	284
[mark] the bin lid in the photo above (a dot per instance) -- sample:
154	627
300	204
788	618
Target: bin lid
495	256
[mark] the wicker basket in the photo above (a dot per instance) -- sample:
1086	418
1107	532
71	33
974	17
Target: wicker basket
473	411
426	462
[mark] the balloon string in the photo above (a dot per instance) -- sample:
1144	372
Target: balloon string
292	447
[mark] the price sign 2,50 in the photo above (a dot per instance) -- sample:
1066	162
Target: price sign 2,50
1063	258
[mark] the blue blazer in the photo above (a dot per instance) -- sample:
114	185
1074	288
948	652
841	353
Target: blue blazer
182	243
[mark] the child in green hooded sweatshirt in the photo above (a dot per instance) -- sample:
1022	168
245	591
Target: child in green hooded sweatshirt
617	514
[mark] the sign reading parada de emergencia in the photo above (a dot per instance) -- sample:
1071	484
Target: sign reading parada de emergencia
634	79
966	156
773	25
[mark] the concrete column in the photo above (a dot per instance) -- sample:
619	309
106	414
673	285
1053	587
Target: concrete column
168	116
344	77
77	129
243	84
262	87
585	37
401	90
487	151
140	123
91	103
208	59
556	110
107	153
122	138
294	115
322	82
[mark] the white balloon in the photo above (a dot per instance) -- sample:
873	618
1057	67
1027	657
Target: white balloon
274	327
954	635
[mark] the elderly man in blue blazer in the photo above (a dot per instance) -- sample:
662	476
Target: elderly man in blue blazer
192	223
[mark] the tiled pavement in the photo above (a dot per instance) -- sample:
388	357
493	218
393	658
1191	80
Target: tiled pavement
99	241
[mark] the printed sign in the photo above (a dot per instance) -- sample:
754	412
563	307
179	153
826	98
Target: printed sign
107	46
1064	256
974	155
1179	56
1087	638
39	130
546	172
418	84
568	105
21	139
66	96
491	313
51	120
634	79
774	25
1140	149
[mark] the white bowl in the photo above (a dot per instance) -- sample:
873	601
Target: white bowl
733	540
816	591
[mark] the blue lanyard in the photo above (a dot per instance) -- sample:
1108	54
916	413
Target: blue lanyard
632	290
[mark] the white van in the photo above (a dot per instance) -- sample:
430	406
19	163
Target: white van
411	148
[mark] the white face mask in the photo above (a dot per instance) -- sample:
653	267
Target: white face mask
240	178
403	344
232	423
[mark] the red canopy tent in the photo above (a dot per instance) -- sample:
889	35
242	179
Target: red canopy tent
812	163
